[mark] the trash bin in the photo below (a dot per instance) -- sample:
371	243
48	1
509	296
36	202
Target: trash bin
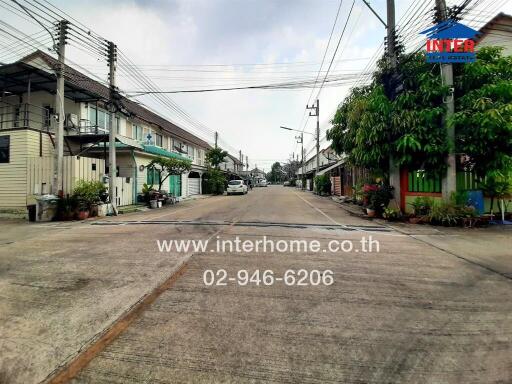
32	212
476	199
46	207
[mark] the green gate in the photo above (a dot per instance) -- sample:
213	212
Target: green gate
175	185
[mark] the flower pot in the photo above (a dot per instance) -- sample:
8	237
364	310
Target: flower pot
414	220
94	210
153	204
370	212
82	215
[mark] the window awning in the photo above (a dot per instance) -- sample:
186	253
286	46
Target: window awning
154	150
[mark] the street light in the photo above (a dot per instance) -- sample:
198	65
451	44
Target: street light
302	142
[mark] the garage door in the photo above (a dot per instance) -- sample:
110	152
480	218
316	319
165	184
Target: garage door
193	185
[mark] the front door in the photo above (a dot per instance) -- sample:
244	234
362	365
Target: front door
175	185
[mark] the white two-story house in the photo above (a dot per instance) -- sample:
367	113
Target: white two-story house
27	105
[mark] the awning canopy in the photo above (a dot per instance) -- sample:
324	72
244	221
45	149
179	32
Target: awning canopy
154	150
341	162
16	78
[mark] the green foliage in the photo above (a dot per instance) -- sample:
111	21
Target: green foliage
276	173
368	127
323	184
497	187
66	207
377	197
450	213
360	128
87	193
168	166
216	181
422	205
392	214
215	156
483	118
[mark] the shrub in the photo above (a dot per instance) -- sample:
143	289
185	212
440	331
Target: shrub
216	181
450	214
323	184
422	205
391	214
377	196
87	193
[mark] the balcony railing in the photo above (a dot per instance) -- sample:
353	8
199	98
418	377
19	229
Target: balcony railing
24	115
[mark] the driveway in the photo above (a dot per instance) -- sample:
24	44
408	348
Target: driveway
423	309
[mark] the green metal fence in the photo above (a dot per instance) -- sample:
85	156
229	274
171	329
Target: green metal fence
467	181
420	182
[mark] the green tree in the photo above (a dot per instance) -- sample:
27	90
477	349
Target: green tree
276	172
215	156
216	181
164	167
367	126
483	118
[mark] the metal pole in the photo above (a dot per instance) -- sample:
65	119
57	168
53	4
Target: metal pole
449	184
112	165
59	112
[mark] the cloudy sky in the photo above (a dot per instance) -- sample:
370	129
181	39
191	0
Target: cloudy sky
199	44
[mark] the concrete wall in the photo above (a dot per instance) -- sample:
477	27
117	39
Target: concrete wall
30	169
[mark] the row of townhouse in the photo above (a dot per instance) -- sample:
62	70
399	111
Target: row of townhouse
410	183
27	144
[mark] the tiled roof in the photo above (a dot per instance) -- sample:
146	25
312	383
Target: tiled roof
80	80
490	25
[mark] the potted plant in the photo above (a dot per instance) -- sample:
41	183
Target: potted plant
66	208
87	194
391	214
377	197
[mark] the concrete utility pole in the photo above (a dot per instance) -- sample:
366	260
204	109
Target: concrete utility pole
316	108
216	139
394	170
112	165
302	162
59	111
449	183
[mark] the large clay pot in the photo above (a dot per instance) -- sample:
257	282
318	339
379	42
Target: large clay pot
370	212
82	215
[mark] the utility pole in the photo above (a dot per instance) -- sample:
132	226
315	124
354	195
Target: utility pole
112	165
302	162
449	183
316	108
241	158
216	139
60	116
394	170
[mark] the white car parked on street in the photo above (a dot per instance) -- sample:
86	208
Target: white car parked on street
236	186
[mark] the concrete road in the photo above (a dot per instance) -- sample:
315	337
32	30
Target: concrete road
410	313
432	307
